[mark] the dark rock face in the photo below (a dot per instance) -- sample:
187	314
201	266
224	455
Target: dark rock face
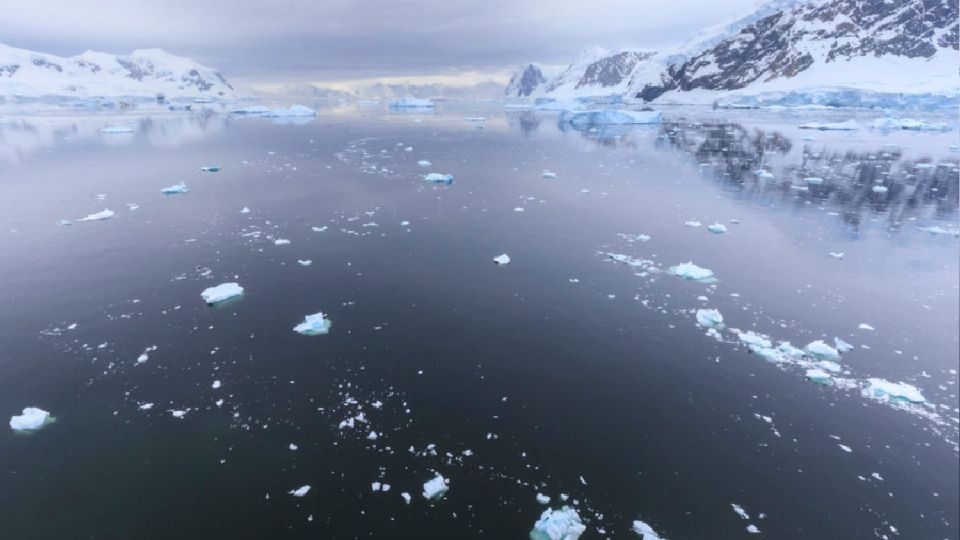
8	69
525	82
612	70
779	45
42	62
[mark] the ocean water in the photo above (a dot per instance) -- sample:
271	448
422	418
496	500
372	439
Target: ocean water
564	373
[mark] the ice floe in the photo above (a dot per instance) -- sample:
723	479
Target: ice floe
818	376
300	491
210	168
31	419
502	259
645	531
174	189
117	129
411	103
99	216
424	163
304	262
884	390
610	117
435	487
562	524
717	228
688	270
314	325
710	318
548	174
848	125
819	349
221	293
437	178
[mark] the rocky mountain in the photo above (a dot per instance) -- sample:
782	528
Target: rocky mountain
525	81
833	42
309	92
144	73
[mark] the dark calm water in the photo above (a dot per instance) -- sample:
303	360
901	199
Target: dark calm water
524	379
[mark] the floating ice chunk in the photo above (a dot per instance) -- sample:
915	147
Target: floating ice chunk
281	242
319	229
502	259
543	499
437	178
174	189
692	223
245	210
64	222
752	529
178	413
221	293
849	125
813	180
842	345
880	189
146	406
32	419
645	531
865	326
818	376
688	270
99	216
256	109
424	163
610	117
210	168
291	111
936	229
717	228
406	497
314	325
821	350
548	174
884	390
710	318
836	255
762	173
563	524
740	511
890	122
411	103
435	487
300	491
293	447
215	385
116	129
375	486
519	209
303	262
753	339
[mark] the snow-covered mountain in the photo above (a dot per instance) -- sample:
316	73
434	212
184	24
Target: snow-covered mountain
525	81
833	49
143	73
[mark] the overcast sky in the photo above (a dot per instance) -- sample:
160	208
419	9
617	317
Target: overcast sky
265	41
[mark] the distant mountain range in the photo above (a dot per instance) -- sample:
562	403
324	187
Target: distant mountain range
308	91
879	46
142	73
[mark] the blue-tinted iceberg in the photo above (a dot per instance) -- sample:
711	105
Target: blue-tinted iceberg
291	111
175	189
884	390
645	531
688	270
314	325
711	318
221	293
563	524
32	419
435	487
437	178
410	102
610	117
819	349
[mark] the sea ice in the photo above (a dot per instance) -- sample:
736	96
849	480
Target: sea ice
884	390
842	345
836	255
435	487
709	318
645	531
688	270
438	178
691	223
303	262
313	325
717	228
99	216
543	499
849	125
752	339
221	293
865	326
813	180
245	210
818	376
174	189
32	419
563	524
300	491
821	350
502	259
762	173
424	163
281	242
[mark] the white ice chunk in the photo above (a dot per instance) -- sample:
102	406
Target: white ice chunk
300	491
424	163
543	499
709	318
563	524
32	419
438	178
753	339
884	390
99	216
221	293
548	174
688	270
281	242
502	259
313	325
116	129
435	487
842	345
818	376
304	262
821	350
880	189
645	531
717	228
836	255
406	497
174	189
865	326
245	210
814	180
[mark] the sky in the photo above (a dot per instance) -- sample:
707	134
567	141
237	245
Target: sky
337	41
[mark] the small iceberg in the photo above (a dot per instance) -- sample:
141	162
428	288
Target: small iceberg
610	117
314	325
221	293
688	270
116	129
563	524
710	318
32	419
842	345
884	390
818	376
755	340
548	174
762	173
437	178
717	228
849	125
891	123
813	180
411	103
880	189
819	349
502	259
253	110
210	168
99	216
304	262
293	111
435	487
175	189
300	491
645	531
424	163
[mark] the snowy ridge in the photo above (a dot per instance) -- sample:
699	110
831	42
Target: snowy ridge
144	73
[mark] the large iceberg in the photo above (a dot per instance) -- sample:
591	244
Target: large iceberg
291	111
221	293
410	102
610	117
563	524
884	390
435	487
32	419
313	325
